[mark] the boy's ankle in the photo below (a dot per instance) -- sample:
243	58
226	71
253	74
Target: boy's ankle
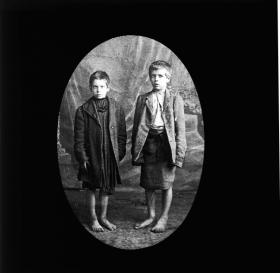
164	217
94	221
152	216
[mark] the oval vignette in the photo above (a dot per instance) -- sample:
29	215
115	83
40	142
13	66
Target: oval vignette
126	60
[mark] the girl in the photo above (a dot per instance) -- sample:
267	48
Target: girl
99	145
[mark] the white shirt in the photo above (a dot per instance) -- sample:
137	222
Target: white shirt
157	100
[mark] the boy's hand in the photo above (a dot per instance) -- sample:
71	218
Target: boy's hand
85	164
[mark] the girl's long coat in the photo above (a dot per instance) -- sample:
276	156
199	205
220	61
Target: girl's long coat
174	120
88	141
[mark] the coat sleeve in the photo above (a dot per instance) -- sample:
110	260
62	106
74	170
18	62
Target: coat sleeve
135	124
122	136
79	137
180	132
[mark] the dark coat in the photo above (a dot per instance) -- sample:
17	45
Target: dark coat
174	120
87	137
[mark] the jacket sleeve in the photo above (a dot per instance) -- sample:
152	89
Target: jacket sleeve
122	136
180	132
135	124
79	137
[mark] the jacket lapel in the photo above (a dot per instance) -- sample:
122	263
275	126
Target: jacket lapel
149	101
167	100
91	110
112	112
167	108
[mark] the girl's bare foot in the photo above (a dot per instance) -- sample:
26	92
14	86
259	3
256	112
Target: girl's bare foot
146	223
160	225
96	226
107	224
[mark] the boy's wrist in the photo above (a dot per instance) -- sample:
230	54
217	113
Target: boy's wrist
179	164
84	156
134	163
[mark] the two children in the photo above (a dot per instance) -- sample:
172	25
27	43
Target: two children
158	143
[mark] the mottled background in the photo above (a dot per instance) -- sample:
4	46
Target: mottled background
126	59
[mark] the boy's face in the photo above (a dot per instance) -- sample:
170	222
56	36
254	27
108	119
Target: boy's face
159	79
99	88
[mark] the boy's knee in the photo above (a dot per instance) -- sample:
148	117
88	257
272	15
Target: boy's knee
167	190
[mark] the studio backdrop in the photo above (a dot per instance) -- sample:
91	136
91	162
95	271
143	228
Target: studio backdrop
126	59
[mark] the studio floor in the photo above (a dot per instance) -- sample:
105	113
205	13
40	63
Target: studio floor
127	207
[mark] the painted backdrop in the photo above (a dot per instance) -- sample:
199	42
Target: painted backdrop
126	59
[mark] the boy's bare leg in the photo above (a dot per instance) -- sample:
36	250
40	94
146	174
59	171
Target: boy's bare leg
166	203
95	224
104	205
150	200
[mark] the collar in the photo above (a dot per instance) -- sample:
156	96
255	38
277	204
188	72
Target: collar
90	107
149	102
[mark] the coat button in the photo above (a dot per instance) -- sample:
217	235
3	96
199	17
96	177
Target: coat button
112	127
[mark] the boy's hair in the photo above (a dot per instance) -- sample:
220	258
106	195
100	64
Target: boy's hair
161	64
98	75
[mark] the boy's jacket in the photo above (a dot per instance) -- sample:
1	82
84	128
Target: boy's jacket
174	120
87	137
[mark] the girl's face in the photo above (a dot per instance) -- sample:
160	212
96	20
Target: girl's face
99	88
159	79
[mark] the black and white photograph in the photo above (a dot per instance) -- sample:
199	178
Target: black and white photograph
130	142
139	136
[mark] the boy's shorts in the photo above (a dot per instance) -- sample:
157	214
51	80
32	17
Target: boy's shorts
156	171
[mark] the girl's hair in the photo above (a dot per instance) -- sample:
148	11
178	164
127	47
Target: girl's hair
98	75
161	64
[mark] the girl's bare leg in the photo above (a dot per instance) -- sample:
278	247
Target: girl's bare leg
95	224
104	205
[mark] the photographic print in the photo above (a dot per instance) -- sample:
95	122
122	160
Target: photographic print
133	136
130	142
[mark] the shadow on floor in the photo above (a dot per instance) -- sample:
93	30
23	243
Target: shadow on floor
126	207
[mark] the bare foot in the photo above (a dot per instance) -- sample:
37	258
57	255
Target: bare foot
107	224
96	226
146	223
160	225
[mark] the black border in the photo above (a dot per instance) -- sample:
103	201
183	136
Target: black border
230	50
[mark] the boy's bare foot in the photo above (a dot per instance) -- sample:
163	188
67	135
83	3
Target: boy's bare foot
96	226
107	224
146	223
160	225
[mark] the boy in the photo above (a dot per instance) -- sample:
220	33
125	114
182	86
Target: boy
99	145
158	141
